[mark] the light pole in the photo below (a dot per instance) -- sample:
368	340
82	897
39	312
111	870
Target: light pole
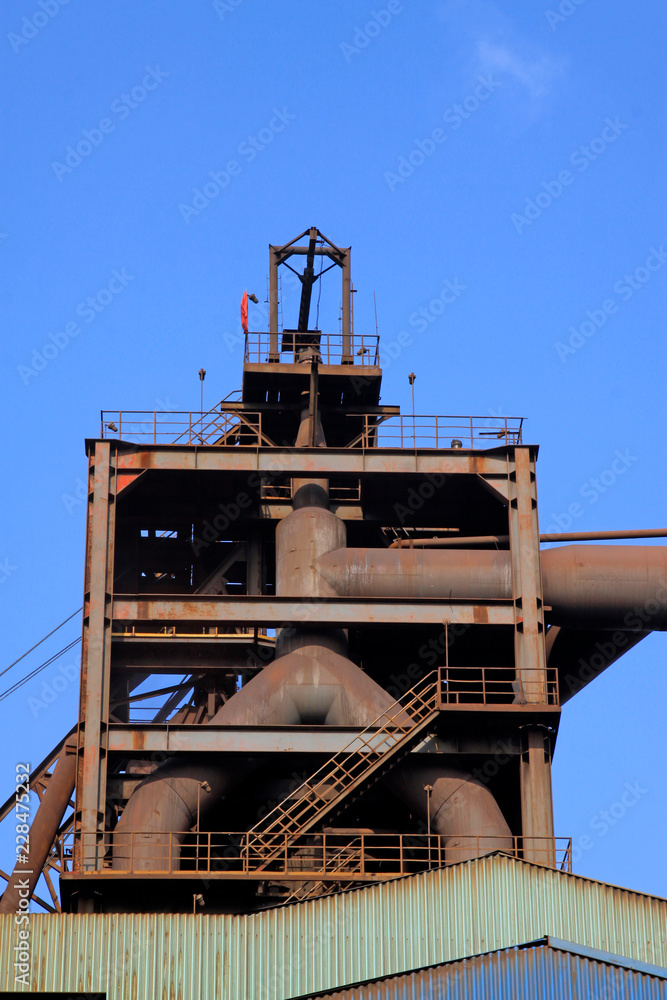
411	380
202	376
428	789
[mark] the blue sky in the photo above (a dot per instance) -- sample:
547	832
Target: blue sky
514	150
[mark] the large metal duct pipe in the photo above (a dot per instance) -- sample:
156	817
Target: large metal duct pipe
462	809
311	686
585	586
165	806
43	831
302	537
605	586
310	434
306	533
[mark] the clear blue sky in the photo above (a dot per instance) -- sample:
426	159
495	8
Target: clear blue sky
540	198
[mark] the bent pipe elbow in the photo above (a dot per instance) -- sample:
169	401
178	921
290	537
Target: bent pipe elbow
463	811
314	685
164	807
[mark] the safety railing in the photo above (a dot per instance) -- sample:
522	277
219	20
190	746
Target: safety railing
315	856
393	731
498	685
441	432
326	348
231	428
236	428
213	632
337	493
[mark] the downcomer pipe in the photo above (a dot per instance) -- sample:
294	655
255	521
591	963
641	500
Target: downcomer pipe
585	586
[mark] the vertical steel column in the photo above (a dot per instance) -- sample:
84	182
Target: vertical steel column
529	653
95	659
254	562
529	650
274	354
346	358
536	802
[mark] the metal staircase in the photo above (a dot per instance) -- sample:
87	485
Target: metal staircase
364	759
347	861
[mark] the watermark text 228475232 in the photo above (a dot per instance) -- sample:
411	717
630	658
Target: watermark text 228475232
122	107
21	917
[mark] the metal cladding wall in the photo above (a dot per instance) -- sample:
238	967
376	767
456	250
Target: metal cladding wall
537	970
461	910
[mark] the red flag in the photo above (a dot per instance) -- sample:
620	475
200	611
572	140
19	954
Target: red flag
244	312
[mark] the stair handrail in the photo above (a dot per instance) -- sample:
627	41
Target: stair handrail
422	698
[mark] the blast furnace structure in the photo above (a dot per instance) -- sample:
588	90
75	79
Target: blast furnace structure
358	649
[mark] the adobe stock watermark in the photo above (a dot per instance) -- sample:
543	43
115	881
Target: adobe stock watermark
581	159
222	7
430	654
122	107
362	38
51	689
592	490
637	619
77	498
7	568
566	8
227	514
421	319
454	116
624	288
259	312
33	24
248	150
604	820
416	498
88	310
22	885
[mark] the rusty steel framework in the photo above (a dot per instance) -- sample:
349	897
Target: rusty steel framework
358	649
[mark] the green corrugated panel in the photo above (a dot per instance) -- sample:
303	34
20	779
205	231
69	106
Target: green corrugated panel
461	910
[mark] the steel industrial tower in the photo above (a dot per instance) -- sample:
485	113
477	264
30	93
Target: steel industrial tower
358	649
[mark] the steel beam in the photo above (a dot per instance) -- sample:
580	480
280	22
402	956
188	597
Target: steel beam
250	740
529	647
490	464
529	652
95	654
279	612
347	307
536	800
274	352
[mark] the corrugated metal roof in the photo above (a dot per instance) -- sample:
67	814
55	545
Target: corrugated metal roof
461	910
546	968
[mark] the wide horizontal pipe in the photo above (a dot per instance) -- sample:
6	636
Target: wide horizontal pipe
585	586
563	536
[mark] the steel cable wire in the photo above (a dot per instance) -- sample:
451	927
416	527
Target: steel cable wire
52	632
33	673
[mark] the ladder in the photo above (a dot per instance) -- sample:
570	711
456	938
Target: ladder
366	757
